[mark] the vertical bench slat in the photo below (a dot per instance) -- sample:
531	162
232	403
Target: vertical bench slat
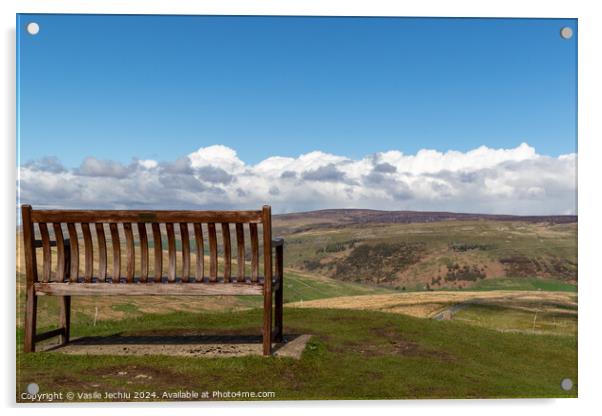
185	251
200	252
102	252
227	251
116	252
212	252
45	251
254	252
60	252
88	259
143	251
171	246
240	245
74	252
158	245
129	252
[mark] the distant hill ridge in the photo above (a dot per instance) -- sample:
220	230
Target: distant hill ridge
376	216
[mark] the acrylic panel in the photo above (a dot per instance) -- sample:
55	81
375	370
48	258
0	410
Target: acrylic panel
287	208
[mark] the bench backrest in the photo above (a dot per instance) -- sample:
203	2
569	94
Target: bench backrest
130	238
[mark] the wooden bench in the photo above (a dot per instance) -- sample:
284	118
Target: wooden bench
64	230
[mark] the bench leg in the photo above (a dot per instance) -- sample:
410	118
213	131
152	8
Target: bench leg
31	310
65	318
267	323
278	337
279	294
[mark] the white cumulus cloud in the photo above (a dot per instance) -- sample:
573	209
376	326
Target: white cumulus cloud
485	180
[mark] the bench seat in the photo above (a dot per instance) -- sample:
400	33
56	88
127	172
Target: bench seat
152	288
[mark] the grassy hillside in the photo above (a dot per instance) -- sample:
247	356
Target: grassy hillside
438	254
353	355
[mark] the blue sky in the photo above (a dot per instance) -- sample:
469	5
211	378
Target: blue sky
159	87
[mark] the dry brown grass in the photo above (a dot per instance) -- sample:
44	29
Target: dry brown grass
427	304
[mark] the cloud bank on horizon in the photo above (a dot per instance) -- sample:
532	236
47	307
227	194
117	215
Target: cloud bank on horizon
482	180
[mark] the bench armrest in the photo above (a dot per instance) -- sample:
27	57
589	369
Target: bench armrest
277	242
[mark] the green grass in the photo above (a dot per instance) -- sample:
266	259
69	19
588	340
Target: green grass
507	318
298	287
524	283
353	355
125	307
